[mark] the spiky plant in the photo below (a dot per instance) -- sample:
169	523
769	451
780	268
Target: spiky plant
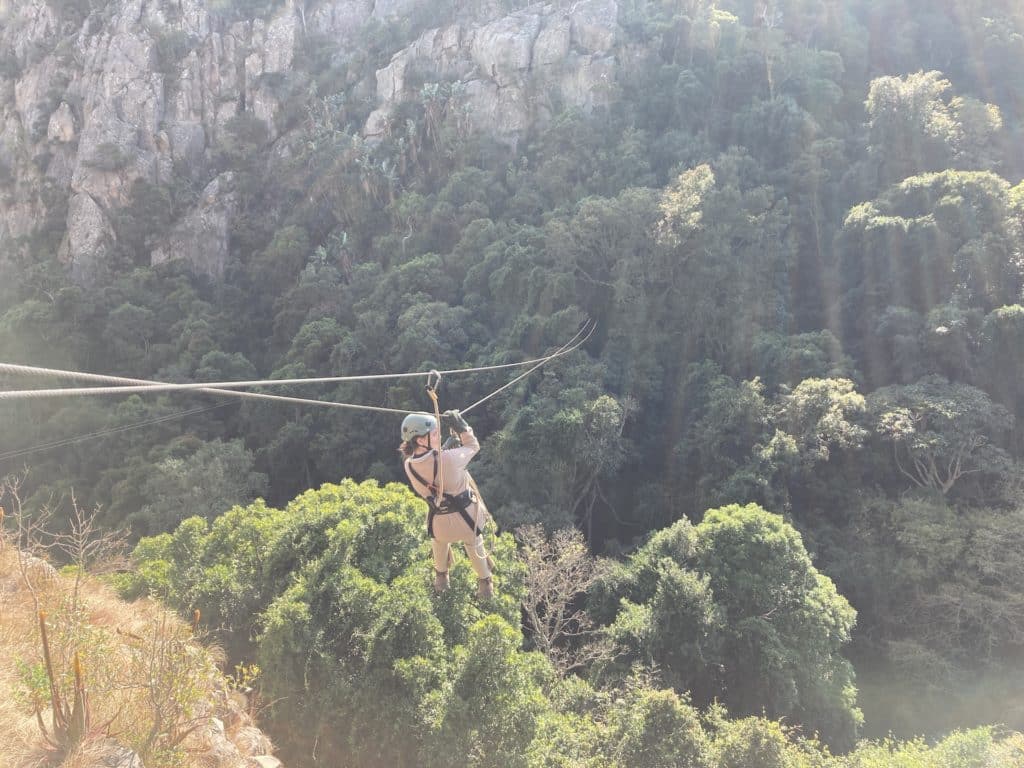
71	719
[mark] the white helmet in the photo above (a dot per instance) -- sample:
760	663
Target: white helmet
416	425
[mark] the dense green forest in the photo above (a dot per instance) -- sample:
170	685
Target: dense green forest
792	440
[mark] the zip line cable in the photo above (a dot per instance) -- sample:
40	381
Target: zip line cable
221	387
24	394
521	376
573	344
104	432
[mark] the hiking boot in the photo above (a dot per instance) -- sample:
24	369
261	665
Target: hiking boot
440	581
484	588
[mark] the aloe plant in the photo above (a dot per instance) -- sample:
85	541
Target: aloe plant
71	717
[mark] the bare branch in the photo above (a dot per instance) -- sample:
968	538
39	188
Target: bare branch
899	465
31	542
559	571
89	550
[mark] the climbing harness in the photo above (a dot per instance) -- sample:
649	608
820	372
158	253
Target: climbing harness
440	503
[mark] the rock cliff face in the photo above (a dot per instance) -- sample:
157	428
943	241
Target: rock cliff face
513	67
92	101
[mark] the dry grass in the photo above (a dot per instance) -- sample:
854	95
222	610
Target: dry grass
152	686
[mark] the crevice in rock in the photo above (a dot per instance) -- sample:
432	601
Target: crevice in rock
541	24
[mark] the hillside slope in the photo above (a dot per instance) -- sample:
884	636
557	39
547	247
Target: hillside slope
155	694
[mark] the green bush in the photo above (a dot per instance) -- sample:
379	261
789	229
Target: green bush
658	730
977	748
332	595
733	609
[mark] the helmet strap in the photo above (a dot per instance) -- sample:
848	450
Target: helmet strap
418	449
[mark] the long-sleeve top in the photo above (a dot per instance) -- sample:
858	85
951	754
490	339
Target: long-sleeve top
451	467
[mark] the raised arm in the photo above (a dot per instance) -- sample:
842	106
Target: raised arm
461	456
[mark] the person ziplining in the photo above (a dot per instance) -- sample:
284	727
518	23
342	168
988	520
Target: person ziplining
455	512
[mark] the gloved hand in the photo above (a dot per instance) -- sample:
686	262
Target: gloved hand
453	420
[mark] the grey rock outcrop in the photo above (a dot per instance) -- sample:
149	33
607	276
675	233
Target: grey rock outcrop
62	128
594	25
201	237
98	108
145	90
89	238
392	10
339	20
231	740
116	756
252	741
511	67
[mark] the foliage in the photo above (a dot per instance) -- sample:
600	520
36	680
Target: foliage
109	157
71	713
940	432
784	625
745	447
171	45
216	568
331	595
491	703
658	729
559	572
938	582
958	750
733	608
934	239
753	743
83	666
913	129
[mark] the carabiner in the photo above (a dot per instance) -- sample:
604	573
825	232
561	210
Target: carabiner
433	380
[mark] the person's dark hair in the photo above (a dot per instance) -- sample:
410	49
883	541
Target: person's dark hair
408	447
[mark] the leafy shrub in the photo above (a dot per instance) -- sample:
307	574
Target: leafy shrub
332	595
733	608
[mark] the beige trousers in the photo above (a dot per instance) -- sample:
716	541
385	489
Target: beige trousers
474	550
452	529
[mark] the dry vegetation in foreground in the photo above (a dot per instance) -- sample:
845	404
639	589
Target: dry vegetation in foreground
147	688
